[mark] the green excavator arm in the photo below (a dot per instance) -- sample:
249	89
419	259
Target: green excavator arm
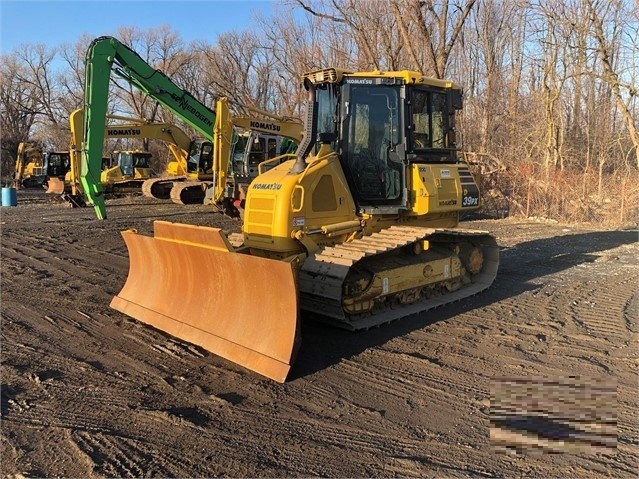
106	56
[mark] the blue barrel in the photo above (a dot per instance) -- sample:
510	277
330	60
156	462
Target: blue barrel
9	197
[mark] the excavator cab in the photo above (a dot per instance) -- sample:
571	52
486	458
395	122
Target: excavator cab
57	163
130	161
260	148
253	148
200	158
240	142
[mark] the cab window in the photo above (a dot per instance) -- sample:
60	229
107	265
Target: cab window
429	120
372	134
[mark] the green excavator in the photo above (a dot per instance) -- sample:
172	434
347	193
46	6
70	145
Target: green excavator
106	56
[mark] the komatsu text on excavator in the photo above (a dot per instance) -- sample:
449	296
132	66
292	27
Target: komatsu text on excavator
361	228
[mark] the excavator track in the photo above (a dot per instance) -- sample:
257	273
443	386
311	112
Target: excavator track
160	188
125	187
189	192
327	276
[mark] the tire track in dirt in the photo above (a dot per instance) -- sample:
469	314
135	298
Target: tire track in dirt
110	460
62	400
117	456
100	334
123	453
601	309
443	384
334	439
379	389
80	257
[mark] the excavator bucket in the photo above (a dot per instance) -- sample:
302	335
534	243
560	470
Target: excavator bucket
55	186
187	281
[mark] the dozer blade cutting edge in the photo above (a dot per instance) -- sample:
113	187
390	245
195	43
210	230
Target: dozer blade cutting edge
188	282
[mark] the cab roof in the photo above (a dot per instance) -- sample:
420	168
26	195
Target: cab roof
337	75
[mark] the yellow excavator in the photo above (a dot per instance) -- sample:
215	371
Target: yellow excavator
235	162
191	159
125	170
106	56
35	168
360	228
228	161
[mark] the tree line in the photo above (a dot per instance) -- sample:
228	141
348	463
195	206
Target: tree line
550	88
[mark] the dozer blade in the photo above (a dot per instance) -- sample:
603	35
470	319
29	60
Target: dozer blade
56	186
188	282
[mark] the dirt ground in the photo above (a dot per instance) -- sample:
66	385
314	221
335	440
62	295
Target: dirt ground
89	392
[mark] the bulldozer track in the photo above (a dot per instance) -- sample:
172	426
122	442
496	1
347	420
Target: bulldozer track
323	274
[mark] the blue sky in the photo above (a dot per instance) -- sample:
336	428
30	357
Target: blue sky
54	23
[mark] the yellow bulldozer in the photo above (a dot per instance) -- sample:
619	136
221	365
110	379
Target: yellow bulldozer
360	227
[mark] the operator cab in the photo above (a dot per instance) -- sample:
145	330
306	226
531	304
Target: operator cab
57	163
261	147
200	157
381	124
253	148
129	161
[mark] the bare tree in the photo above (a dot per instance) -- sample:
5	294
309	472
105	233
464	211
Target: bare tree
359	19
236	67
29	100
488	41
428	30
610	11
297	47
71	80
18	106
438	26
